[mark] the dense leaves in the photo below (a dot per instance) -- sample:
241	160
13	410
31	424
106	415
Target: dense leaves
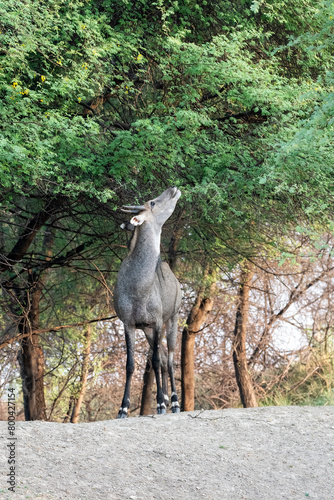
97	94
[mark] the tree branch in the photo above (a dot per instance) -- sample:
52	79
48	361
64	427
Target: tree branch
7	342
27	237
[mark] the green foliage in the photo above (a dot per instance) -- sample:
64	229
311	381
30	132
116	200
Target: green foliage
52	60
231	101
202	101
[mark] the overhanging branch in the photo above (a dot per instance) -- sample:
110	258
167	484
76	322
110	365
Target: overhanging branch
5	343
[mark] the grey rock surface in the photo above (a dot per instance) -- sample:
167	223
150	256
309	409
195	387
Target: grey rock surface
254	454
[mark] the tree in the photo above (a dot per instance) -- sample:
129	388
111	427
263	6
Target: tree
195	321
102	103
31	356
239	342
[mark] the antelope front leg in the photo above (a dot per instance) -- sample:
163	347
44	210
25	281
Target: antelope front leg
130	367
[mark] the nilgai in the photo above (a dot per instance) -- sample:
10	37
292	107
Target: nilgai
148	295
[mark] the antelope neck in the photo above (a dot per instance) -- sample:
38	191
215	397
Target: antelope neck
145	248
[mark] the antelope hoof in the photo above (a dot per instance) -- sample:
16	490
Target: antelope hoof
161	409
175	404
123	413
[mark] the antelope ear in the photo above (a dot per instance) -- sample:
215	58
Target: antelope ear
137	220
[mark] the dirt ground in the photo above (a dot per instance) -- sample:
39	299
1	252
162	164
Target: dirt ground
254	454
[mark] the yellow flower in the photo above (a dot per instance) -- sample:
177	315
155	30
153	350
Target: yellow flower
14	84
41	100
79	99
139	57
58	62
43	78
83	26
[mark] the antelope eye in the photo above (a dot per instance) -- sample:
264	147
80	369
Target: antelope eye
152	203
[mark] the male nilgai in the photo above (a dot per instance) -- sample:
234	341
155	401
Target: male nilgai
148	295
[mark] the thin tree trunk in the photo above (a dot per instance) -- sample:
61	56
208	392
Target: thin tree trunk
84	376
146	399
173	245
67	417
195	321
242	374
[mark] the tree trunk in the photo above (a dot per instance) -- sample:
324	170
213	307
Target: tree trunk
84	376
146	399
195	321
242	374
31	360
30	356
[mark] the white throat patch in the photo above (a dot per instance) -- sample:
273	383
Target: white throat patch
137	220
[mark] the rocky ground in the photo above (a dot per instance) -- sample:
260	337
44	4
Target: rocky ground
254	454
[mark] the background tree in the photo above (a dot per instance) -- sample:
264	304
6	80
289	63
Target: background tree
105	103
